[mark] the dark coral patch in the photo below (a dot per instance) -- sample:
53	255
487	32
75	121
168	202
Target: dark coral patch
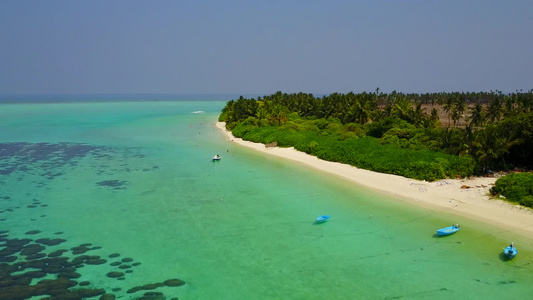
50	242
152	296
107	297
174	282
114	274
95	261
80	249
84	283
17	243
114	184
57	253
69	275
35	274
8	258
33	232
45	157
87	293
89	260
35	256
153	286
23	262
32	249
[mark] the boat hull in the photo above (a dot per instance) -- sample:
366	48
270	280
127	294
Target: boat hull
447	230
510	252
323	219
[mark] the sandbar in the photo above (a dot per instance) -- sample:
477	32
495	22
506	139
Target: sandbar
466	197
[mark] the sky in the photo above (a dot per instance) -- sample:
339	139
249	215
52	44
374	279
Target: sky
264	46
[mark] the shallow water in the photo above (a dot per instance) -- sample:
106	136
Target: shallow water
136	179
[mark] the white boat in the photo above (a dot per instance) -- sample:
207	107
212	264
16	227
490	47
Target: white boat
217	157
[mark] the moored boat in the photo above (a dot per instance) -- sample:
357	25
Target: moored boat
217	157
448	230
510	251
323	218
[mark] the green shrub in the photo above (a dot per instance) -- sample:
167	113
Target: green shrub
242	128
378	129
527	201
335	142
516	187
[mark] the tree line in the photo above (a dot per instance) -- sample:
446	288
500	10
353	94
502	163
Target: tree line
493	129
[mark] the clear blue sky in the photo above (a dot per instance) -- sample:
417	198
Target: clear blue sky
246	47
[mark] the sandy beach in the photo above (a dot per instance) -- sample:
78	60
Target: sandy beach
466	197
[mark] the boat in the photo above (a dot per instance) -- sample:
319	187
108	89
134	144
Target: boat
216	157
448	230
510	251
323	219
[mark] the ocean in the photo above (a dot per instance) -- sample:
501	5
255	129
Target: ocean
123	198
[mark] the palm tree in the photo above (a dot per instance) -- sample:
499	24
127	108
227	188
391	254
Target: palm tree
278	115
417	115
434	118
509	102
448	108
455	115
460	104
261	113
365	113
402	108
491	146
477	116
494	110
483	145
525	101
467	147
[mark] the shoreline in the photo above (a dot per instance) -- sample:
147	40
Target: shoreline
472	202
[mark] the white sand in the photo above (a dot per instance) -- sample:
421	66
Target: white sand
473	202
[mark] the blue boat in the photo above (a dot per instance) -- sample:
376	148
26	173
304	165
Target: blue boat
448	230
323	218
510	251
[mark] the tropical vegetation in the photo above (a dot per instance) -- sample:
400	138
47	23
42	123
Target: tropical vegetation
515	187
424	136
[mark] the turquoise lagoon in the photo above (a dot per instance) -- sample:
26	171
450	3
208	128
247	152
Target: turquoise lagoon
130	191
